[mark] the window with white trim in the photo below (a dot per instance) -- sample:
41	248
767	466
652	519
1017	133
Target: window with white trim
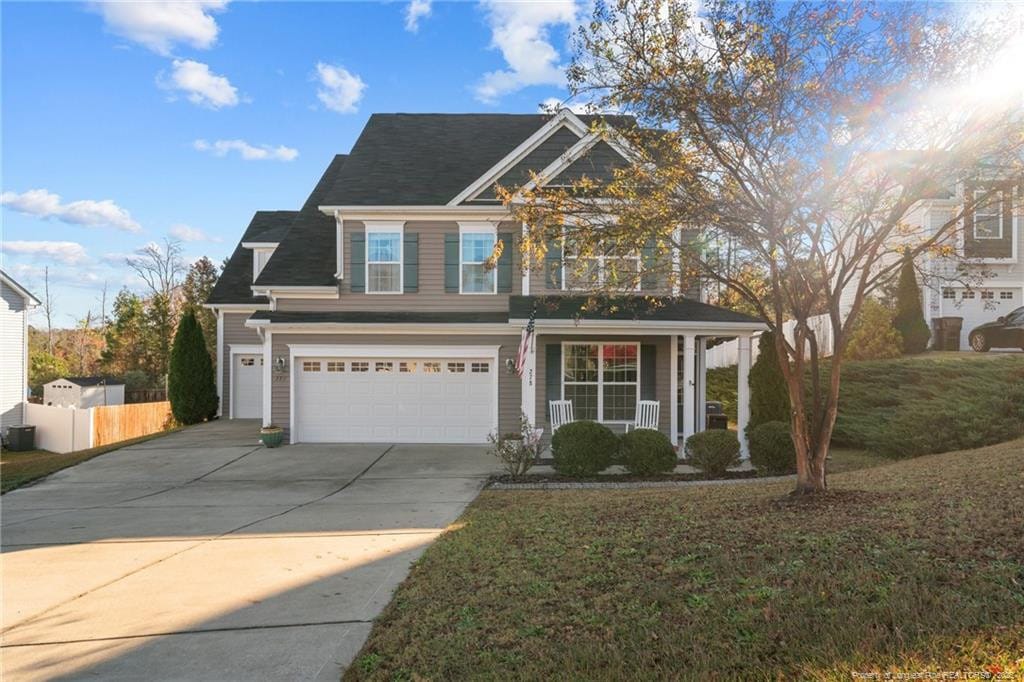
948	293
602	380
476	274
383	261
431	367
988	295
456	367
384	366
967	295
1005	295
310	366
407	367
335	366
248	362
988	217
360	366
479	367
584	273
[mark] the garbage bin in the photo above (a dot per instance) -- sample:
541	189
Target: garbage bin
716	417
22	437
947	332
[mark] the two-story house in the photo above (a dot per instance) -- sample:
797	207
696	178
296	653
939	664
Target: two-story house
372	314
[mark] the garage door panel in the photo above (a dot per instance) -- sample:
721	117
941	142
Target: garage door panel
396	400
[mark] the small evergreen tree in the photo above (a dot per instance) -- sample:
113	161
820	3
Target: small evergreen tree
190	384
769	395
873	336
909	317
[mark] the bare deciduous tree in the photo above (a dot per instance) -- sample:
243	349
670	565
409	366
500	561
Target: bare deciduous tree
160	267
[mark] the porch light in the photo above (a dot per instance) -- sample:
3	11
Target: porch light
280	364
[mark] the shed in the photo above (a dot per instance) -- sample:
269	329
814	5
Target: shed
83	392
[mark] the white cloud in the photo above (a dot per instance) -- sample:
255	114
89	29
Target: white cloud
69	253
521	31
159	24
45	204
340	90
246	151
552	105
187	233
414	11
202	86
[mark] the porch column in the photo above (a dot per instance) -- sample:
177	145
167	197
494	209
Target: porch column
700	414
268	383
743	394
689	384
220	363
528	400
673	388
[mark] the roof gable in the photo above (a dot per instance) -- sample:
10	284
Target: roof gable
543	155
17	288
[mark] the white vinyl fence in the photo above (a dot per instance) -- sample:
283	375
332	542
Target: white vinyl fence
60	429
725	354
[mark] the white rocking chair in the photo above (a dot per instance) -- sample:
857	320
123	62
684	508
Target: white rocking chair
561	413
647	414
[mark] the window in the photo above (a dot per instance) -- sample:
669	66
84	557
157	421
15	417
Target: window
456	367
384	367
476	248
601	380
407	367
988	295
988	217
1005	295
479	367
431	367
335	366
248	362
601	269
967	295
360	366
310	366
948	293
383	262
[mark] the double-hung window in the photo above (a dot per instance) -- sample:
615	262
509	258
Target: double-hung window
988	217
476	274
612	270
601	380
383	261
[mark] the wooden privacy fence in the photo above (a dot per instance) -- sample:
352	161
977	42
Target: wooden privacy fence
115	423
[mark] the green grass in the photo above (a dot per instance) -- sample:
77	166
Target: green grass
20	468
929	403
912	566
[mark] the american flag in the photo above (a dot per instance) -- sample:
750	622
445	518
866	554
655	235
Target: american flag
525	343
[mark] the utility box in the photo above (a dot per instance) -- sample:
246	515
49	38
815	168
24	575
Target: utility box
21	438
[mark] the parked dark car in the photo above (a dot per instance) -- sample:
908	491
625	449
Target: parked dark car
1005	332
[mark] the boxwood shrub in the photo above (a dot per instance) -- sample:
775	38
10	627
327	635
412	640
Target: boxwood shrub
583	448
647	451
713	451
771	448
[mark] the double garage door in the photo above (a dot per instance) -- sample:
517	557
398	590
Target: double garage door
412	399
978	307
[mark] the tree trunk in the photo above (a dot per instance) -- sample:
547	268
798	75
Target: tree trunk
811	440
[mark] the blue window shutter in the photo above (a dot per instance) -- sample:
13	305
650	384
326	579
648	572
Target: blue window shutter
648	372
553	265
451	263
552	375
357	263
411	262
505	263
649	264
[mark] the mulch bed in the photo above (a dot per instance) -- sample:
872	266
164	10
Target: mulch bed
617	478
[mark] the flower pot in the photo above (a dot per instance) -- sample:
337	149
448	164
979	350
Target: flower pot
271	436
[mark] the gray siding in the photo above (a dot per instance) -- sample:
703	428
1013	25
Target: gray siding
13	372
509	385
662	384
235	332
431	295
540	158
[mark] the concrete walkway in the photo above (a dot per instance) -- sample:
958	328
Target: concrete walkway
203	556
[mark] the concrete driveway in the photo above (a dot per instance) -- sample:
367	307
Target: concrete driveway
202	556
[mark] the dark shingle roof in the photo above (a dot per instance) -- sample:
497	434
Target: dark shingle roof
92	381
427	159
306	257
375	316
621	308
233	284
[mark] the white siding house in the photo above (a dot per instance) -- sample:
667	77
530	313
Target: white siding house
83	392
15	302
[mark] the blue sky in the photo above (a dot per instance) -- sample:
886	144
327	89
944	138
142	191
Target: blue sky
123	123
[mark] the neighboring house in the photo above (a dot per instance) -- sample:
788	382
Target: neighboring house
368	315
17	301
83	392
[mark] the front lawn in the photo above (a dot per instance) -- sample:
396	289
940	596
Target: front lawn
911	566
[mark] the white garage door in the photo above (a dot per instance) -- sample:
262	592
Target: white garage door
400	400
247	391
978	306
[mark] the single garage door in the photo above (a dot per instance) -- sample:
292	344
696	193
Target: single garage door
247	386
399	400
978	306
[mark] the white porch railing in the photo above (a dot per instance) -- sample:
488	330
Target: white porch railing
726	354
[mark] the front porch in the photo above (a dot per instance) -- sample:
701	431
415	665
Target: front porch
605	360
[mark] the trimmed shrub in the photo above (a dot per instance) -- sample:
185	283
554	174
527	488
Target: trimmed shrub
769	395
646	451
909	318
873	336
190	383
583	448
771	448
713	451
